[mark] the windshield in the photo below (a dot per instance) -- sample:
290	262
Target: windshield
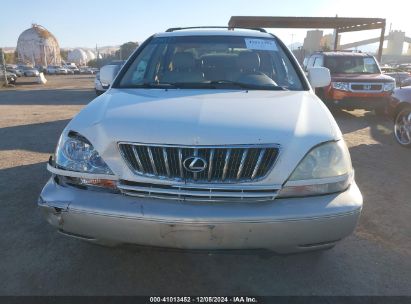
352	65
232	62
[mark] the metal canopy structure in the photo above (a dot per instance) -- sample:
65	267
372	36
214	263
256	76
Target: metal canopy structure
340	25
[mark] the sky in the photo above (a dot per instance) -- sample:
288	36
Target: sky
89	23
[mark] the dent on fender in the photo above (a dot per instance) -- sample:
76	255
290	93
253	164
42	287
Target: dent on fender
55	210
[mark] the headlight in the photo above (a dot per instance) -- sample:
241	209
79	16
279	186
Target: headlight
344	86
325	169
389	86
75	153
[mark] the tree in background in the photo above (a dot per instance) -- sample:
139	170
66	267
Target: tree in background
126	50
325	48
10	58
93	63
98	63
63	54
123	53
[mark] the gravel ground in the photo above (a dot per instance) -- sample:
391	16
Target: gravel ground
35	260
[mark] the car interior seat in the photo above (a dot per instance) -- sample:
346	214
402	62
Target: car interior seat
249	65
220	67
183	69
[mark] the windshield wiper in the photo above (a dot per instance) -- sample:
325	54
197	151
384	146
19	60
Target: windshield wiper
207	84
171	85
244	85
154	85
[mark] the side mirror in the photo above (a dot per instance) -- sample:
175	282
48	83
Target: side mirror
319	77
108	73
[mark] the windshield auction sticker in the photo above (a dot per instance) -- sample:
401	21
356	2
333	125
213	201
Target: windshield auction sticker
260	44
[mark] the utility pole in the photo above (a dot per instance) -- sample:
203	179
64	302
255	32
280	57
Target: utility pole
98	61
3	65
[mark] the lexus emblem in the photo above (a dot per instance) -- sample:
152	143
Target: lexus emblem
195	164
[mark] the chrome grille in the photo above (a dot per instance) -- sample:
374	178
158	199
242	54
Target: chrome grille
224	164
366	87
198	193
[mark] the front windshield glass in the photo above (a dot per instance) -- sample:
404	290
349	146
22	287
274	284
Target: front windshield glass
232	62
352	65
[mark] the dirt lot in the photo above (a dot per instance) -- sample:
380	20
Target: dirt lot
34	259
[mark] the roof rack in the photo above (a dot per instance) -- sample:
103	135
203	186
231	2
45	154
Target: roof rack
173	29
343	51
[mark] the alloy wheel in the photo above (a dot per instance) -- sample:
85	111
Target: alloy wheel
402	127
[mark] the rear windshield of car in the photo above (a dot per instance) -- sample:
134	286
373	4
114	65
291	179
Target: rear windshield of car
351	65
212	62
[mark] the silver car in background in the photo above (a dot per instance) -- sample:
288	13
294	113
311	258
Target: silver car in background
28	71
57	70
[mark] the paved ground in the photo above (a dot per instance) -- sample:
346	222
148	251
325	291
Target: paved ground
35	260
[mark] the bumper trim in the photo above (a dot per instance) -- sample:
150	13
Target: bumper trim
127	207
158	220
61	172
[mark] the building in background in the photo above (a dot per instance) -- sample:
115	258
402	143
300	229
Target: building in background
312	42
37	46
81	57
395	43
78	56
315	40
327	42
90	55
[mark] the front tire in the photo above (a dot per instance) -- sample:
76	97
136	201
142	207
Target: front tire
402	127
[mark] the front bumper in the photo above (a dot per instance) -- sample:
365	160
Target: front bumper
358	100
363	103
281	225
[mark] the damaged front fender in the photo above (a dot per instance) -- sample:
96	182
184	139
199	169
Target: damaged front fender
53	211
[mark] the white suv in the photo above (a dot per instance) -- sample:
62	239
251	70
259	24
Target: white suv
206	139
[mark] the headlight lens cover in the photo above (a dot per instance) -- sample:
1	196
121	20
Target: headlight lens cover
343	86
389	86
75	153
316	189
326	160
325	169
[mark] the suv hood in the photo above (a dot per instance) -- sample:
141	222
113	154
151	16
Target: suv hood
361	78
297	120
